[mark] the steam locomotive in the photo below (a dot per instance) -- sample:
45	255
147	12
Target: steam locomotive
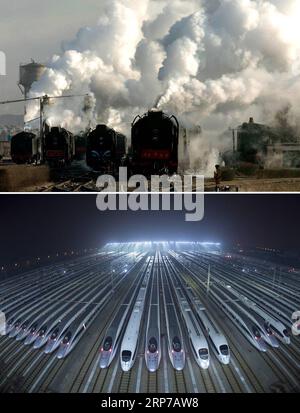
59	147
24	148
154	144
106	149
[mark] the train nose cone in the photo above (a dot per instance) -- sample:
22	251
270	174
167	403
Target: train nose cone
205	364
274	341
104	359
262	345
225	360
21	335
125	366
178	363
29	339
50	347
9	327
39	343
13	332
152	364
62	352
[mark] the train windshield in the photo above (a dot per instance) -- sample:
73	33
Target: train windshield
33	329
203	353
176	345
42	331
224	350
268	329
108	344
152	347
256	333
126	356
286	333
54	334
67	338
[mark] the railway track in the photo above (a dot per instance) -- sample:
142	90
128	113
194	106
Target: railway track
208	382
125	382
91	359
152	383
71	186
231	378
246	369
46	386
289	366
180	382
277	372
100	381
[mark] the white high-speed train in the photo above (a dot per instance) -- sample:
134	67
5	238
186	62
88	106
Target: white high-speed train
130	340
217	340
197	338
153	342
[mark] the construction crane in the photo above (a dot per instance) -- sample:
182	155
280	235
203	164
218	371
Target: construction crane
43	101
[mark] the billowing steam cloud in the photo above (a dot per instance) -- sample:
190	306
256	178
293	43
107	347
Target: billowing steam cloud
213	63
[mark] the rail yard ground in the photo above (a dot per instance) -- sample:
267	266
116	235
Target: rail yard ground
78	178
24	369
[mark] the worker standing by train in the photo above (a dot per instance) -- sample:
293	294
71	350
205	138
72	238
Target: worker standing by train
218	177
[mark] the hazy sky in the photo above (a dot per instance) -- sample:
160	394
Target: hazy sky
35	29
39	225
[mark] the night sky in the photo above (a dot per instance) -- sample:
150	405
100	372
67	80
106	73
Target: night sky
34	225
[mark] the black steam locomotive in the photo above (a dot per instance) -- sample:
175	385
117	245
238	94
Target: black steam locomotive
154	144
59	147
23	148
106	149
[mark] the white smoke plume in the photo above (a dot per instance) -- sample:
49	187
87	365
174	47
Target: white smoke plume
210	62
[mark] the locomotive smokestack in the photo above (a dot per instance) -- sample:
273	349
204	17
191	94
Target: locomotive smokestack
251	120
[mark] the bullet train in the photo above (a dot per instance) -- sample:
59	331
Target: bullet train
266	332
71	338
217	340
198	342
24	330
241	319
175	338
273	326
115	331
245	325
130	340
153	343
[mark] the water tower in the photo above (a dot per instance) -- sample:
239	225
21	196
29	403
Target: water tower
30	73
